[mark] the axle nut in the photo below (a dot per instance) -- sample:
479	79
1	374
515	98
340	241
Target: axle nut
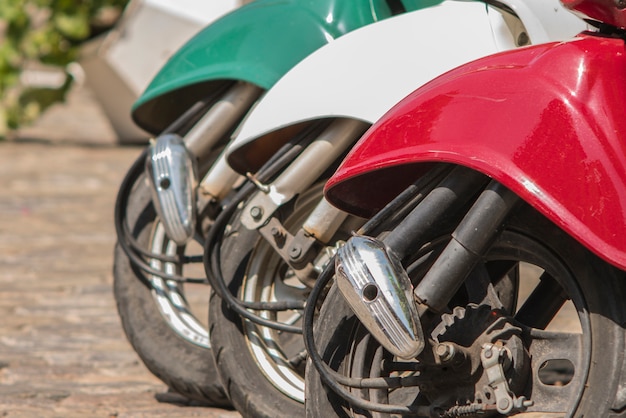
256	212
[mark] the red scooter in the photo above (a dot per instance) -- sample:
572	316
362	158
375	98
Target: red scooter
490	278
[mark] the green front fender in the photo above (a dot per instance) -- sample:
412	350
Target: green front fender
257	43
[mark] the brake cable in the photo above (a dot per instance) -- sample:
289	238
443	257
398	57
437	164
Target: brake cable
125	238
212	254
330	377
404	202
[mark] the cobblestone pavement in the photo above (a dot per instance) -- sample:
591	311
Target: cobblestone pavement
62	350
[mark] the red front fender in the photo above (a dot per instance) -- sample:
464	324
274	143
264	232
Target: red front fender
546	121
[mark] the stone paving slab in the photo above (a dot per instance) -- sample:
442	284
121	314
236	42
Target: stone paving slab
62	349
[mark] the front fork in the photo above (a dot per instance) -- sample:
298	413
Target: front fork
369	270
299	250
374	283
370	276
171	162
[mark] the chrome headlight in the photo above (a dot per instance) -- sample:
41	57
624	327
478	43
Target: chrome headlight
171	170
380	293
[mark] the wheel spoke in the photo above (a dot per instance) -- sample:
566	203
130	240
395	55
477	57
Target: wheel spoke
505	278
169	295
298	360
292	318
543	303
498	269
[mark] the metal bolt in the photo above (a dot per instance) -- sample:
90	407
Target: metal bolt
295	252
279	236
444	351
488	353
256	212
503	404
523	39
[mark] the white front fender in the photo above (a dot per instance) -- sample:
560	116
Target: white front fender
364	73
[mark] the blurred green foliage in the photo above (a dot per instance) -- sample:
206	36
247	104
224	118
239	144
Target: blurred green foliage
43	32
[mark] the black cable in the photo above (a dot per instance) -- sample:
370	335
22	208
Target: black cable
124	236
126	240
191	113
122	231
327	374
212	254
331	378
212	260
139	250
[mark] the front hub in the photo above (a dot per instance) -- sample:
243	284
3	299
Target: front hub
482	363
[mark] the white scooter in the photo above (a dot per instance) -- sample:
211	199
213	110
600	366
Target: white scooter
266	249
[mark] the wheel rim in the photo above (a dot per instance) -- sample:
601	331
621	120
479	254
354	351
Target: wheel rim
536	259
169	295
268	279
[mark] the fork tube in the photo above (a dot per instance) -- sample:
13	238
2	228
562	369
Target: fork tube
304	169
222	117
318	156
220	178
454	191
324	221
470	241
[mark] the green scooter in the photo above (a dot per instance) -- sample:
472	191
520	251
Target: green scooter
193	106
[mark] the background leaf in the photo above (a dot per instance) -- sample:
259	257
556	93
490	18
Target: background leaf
44	32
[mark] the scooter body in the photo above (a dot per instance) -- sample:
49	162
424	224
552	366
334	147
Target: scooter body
508	162
330	85
256	43
346	64
376	75
543	121
195	103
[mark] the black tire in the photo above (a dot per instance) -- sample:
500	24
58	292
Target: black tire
185	367
594	288
251	391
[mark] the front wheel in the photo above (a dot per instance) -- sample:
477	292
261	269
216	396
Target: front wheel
561	346
160	317
262	369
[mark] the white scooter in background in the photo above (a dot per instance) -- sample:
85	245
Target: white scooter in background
265	250
119	65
